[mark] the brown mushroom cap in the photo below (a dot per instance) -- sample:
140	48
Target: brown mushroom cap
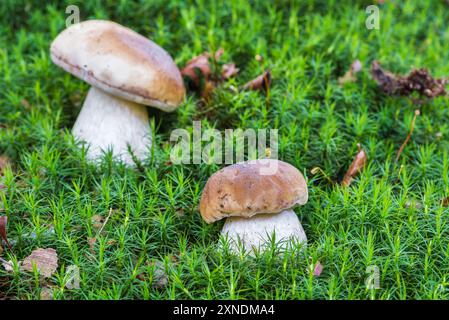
121	62
240	190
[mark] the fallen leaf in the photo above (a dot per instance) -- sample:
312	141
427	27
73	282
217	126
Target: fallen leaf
72	277
46	293
413	204
317	269
445	202
160	278
201	73
45	260
218	54
350	75
262	82
229	70
180	212
209	87
4	162
418	80
25	103
3	234
141	276
91	242
97	221
197	67
356	166
8	265
356	66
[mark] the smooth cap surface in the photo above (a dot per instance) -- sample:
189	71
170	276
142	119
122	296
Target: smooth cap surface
241	190
121	62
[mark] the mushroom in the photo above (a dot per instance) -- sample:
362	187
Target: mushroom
256	204
126	72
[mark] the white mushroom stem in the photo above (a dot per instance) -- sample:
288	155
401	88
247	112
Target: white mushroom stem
257	232
110	123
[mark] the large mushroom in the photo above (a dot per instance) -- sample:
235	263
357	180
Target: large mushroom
257	205
126	72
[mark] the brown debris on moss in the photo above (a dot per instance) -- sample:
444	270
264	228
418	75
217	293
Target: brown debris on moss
418	80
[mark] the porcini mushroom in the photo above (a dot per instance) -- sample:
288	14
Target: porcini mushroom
257	204
126	72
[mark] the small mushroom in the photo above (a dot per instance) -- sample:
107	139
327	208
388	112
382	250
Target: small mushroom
126	72
257	203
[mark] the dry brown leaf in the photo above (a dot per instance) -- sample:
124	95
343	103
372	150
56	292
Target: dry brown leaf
180	212
25	103
414	204
196	67
200	68
3	234
262	82
317	269
356	166
4	162
445	202
97	221
218	54
418	80
7	265
203	72
91	242
160	278
209	87
46	293
229	70
350	75
45	260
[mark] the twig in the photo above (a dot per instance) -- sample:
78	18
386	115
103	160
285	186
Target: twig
105	221
412	127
